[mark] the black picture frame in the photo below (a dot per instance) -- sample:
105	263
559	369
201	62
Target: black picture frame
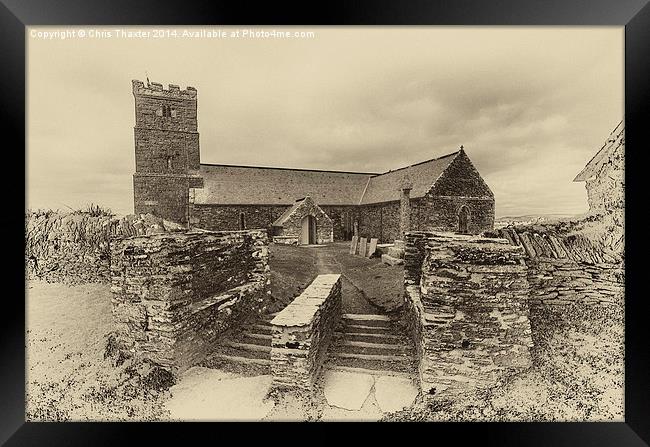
15	15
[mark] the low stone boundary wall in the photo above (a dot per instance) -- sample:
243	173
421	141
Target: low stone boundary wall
302	332
468	311
290	240
175	293
565	269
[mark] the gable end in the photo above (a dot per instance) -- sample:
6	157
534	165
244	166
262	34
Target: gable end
461	179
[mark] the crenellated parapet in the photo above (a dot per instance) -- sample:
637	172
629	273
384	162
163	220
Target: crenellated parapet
156	89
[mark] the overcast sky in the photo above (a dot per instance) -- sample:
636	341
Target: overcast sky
530	105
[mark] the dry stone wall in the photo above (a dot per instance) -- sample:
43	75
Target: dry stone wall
302	332
467	310
174	294
568	268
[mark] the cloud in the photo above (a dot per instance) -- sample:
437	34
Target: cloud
530	105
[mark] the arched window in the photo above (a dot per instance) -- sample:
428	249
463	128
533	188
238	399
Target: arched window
242	221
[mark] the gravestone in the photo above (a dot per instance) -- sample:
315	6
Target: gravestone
372	248
353	245
363	245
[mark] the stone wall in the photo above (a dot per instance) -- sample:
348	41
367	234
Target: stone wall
429	213
468	311
74	247
440	213
291	226
565	268
227	217
165	196
342	220
175	293
380	220
302	332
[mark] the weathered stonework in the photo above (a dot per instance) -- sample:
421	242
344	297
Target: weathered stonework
288	228
171	182
567	268
175	293
166	150
302	333
229	217
466	304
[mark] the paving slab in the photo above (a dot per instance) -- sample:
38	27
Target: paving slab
347	390
204	394
369	412
394	393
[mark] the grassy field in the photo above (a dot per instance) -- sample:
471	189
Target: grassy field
381	284
292	270
68	377
370	282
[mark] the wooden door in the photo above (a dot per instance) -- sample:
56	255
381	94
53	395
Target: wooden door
304	231
463	220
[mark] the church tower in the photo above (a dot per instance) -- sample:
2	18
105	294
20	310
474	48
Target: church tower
166	150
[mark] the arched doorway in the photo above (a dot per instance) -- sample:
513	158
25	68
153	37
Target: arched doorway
463	220
308	230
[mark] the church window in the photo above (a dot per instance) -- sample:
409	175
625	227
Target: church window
166	111
242	221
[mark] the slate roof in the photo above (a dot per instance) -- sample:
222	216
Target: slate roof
422	176
251	185
615	139
280	220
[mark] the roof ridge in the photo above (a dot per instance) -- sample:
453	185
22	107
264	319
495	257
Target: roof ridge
419	163
288	169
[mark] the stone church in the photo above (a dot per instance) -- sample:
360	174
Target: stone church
301	206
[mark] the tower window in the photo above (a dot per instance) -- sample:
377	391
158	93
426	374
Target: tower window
166	111
242	221
169	162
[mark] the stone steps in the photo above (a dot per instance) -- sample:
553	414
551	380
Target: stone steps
257	336
365	317
367	323
375	343
362	328
378	357
247	360
263	328
247	350
375	346
378	363
375	372
373	337
246	346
